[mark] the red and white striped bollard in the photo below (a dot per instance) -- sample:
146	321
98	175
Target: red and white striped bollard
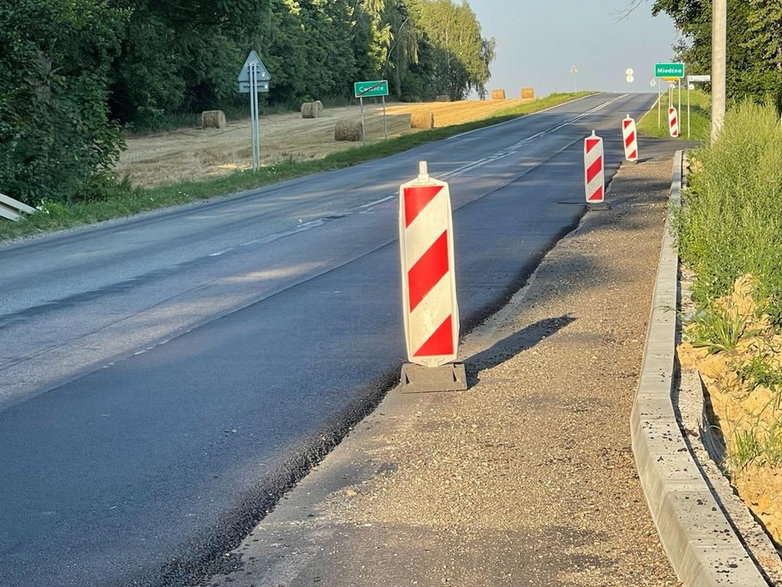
430	309
630	136
594	172
673	122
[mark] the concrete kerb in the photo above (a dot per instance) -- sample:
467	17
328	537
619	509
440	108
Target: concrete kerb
702	545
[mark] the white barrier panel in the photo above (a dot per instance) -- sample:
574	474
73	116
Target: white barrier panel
431	313
594	174
630	136
673	122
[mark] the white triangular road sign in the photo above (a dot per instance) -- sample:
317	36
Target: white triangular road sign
253	59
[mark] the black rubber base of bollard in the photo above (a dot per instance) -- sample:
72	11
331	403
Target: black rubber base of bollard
449	377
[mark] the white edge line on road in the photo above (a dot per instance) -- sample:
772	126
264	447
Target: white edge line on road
376	202
469	132
453	173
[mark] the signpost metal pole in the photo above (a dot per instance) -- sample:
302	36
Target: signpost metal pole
254	79
688	109
258	118
257	123
659	103
252	117
254	135
372	89
680	96
363	124
385	119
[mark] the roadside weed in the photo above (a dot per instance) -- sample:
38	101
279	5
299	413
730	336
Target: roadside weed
717	328
744	449
756	444
759	371
731	221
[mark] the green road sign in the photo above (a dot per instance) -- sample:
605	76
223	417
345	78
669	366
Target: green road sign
669	70
371	89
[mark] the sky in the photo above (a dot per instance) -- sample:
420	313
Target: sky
539	42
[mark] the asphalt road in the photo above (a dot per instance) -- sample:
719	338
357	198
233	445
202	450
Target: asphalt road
165	379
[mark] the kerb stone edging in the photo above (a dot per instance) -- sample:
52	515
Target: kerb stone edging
702	545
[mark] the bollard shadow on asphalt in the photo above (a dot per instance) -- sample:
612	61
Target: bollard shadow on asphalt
516	343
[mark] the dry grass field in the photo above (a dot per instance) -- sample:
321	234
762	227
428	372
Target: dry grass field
195	153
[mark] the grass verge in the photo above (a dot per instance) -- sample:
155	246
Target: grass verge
125	200
732	221
728	232
699	117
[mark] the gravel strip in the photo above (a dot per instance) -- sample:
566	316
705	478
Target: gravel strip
528	478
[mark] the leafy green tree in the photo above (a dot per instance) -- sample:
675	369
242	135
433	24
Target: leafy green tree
147	81
754	67
179	56
309	50
55	132
765	38
459	57
404	51
184	57
375	16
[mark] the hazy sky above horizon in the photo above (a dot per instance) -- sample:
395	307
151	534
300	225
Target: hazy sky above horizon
539	42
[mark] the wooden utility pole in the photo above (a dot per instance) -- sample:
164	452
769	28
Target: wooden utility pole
719	34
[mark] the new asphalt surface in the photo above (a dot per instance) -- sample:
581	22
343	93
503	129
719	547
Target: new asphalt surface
527	478
145	457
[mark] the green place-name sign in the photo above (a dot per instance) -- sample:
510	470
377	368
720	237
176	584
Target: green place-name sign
669	70
371	89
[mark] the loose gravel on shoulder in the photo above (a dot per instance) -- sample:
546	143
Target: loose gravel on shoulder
528	477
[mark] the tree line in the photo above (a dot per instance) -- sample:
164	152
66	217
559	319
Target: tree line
75	73
754	48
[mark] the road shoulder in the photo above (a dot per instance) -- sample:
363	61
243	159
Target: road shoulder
528	477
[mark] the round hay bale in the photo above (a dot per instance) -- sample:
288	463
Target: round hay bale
310	110
213	119
527	93
443	98
498	94
348	130
422	119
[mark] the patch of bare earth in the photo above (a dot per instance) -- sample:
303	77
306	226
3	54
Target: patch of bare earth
742	410
195	153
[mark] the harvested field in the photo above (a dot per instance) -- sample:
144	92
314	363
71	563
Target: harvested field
194	153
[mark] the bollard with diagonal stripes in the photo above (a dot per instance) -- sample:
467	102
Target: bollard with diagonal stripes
630	136
673	122
594	173
430	309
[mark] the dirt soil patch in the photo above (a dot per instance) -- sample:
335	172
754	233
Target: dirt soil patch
196	153
746	402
